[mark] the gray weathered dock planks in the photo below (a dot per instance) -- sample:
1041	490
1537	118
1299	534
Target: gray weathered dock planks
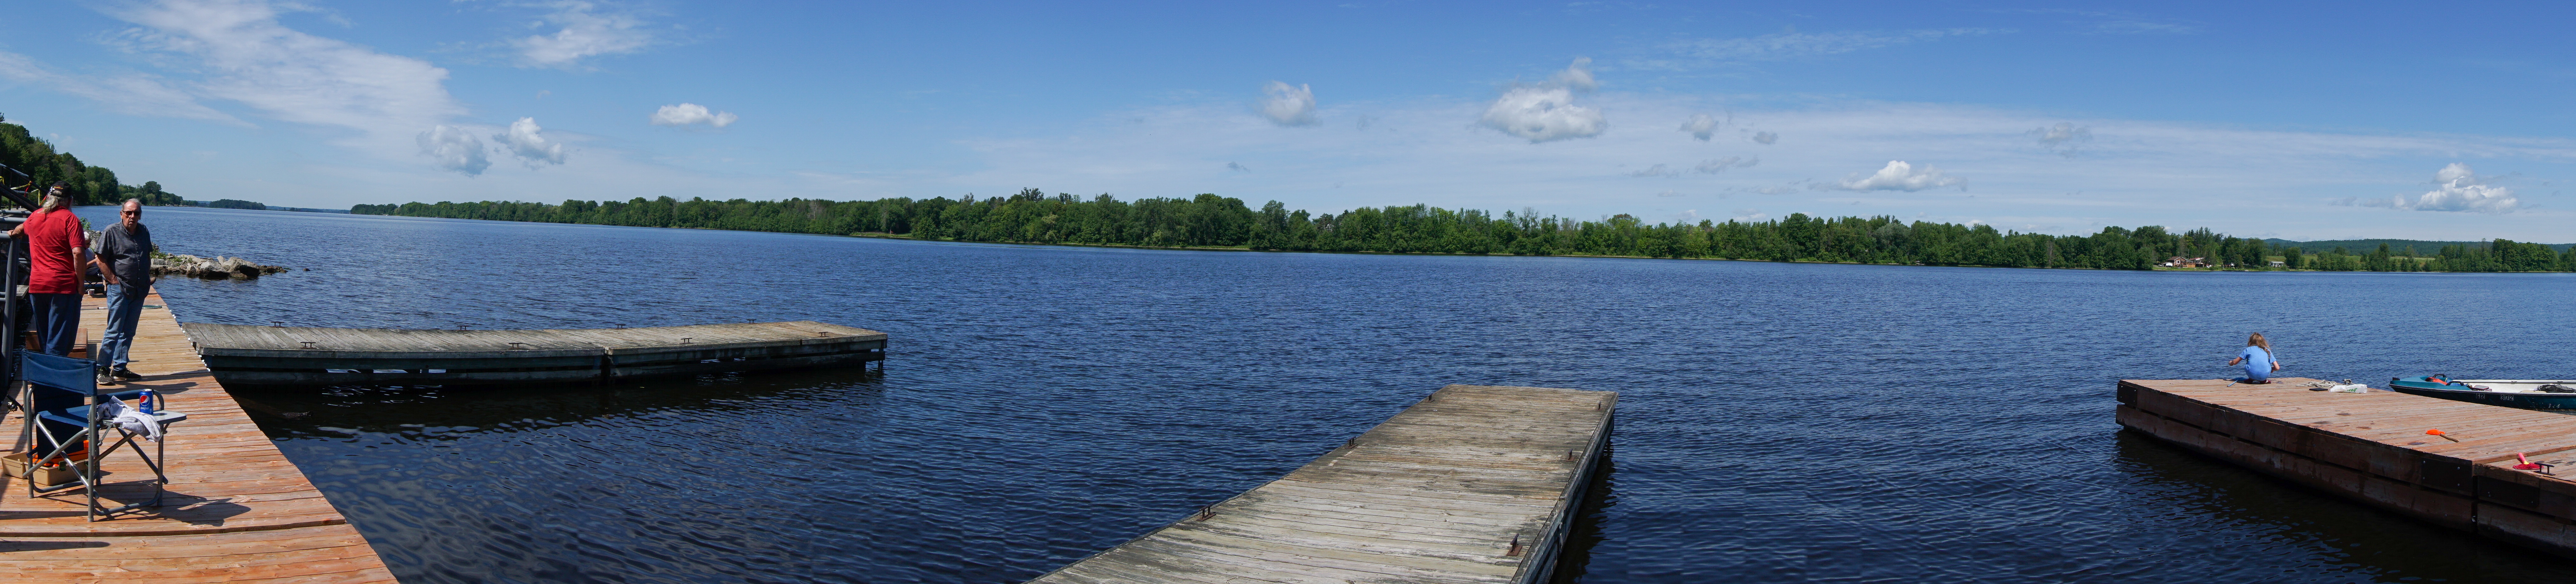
2372	447
281	355
1472	484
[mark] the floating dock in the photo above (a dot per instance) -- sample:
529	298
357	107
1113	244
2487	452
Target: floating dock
237	510
294	355
1473	484
2372	447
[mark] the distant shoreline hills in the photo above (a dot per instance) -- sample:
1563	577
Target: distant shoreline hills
2398	246
241	204
1209	221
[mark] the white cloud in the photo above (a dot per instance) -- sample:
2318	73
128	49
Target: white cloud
1656	171
690	113
2062	138
454	148
587	29
1546	112
129	93
1542	114
1899	176
1576	76
245	56
527	141
2115	22
1718	165
1791	45
2460	189
1237	167
1289	105
1765	137
1701	126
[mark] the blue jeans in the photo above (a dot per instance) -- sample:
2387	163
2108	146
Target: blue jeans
60	314
124	306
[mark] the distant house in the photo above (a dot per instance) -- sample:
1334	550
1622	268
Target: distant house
2278	264
2184	262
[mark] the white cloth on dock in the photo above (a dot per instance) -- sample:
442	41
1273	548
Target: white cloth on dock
132	420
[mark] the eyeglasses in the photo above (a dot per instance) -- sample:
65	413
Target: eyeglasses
133	212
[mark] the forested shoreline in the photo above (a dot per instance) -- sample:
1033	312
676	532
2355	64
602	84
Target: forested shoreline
87	184
1208	220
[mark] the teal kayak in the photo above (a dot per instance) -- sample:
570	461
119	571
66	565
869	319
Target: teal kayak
2529	394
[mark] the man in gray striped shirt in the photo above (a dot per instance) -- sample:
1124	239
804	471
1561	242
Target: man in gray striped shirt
124	257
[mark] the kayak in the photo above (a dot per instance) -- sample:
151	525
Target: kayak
2512	393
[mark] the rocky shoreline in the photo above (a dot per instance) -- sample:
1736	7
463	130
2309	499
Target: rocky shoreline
215	268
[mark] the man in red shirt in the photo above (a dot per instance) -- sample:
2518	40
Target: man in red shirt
57	248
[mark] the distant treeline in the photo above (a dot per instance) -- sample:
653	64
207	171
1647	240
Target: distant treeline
228	204
1209	220
88	185
2502	255
2408	247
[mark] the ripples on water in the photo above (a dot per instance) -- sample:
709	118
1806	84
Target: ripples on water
1778	422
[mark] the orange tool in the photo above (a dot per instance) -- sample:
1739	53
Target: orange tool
2438	432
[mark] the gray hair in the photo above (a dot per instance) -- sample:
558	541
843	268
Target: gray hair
55	202
137	203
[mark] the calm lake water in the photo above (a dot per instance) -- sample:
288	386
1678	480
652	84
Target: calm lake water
1778	422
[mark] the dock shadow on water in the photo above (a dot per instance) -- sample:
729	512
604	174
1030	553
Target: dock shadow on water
2224	506
560	491
1575	563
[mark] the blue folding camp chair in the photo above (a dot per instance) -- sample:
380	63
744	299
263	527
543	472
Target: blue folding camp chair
62	392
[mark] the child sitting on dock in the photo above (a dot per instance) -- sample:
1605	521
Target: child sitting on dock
2257	359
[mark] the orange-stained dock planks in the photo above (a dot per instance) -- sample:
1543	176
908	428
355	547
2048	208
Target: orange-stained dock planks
237	510
2372	447
1473	484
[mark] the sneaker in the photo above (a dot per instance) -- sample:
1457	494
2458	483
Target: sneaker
105	379
124	373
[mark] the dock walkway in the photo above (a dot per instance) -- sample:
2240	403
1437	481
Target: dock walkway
1473	484
2372	447
285	355
236	511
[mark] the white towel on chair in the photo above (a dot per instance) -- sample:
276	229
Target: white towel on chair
133	421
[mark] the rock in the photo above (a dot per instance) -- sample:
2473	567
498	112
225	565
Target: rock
217	268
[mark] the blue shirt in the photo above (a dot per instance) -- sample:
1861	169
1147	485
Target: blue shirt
2258	363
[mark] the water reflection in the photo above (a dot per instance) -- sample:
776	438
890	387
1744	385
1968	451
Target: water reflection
2234	512
289	411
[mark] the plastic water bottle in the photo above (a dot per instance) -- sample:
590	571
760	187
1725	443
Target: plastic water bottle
143	402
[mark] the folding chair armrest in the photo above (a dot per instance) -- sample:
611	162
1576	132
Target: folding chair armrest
58	417
80	392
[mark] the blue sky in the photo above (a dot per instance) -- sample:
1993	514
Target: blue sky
2304	122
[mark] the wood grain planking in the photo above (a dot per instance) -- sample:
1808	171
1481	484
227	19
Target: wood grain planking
237	509
1436	494
2372	448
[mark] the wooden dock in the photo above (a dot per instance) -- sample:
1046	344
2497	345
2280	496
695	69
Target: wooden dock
1473	484
2372	447
237	510
294	355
